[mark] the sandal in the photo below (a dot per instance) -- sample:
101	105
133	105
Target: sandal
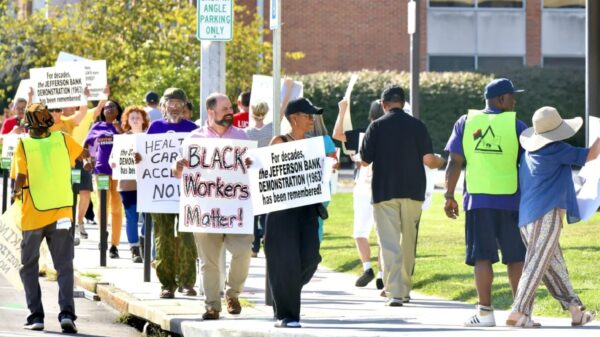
586	317
523	322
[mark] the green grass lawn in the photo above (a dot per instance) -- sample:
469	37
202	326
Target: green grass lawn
440	269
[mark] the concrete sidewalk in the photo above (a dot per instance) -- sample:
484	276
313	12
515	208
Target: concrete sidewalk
331	305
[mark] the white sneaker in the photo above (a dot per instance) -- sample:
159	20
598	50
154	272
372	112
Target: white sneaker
68	325
35	326
393	302
483	318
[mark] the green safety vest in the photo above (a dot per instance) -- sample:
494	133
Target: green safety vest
491	148
49	171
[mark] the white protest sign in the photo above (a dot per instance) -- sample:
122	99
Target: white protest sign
9	144
588	197
157	188
594	128
23	90
215	20
10	245
67	57
215	188
95	79
347	121
288	175
122	155
262	91
60	86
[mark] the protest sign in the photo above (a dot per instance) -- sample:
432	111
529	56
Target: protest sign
59	87
288	175
9	143
23	90
588	197
157	188
95	79
67	57
215	188
262	91
10	245
347	121
123	156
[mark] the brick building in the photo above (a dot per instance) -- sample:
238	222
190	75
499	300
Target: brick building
347	35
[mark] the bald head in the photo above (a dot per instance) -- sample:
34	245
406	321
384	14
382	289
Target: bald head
219	109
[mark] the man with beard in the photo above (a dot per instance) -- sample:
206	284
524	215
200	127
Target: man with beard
220	118
175	256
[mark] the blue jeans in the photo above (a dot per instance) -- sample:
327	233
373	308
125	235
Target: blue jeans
129	199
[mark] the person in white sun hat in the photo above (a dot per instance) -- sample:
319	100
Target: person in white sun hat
547	194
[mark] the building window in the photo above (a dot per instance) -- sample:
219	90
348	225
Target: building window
564	62
500	3
498	63
564	3
478	3
451	63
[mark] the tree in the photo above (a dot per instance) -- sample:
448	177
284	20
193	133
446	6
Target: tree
148	45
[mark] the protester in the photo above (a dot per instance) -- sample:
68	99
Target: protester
262	133
240	119
47	197
175	252
188	110
398	145
135	121
14	124
545	177
210	245
292	235
361	194
488	141
152	106
320	130
100	141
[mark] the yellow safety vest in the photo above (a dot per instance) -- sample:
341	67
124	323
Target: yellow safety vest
491	148
49	171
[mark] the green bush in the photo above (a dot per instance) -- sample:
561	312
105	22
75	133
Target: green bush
446	96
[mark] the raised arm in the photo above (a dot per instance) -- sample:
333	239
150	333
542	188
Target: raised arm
80	114
338	129
101	104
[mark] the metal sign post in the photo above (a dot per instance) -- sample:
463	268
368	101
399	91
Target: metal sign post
103	182
413	30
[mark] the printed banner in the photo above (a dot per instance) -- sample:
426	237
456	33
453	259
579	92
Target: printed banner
123	156
9	143
95	79
157	188
289	175
59	87
215	188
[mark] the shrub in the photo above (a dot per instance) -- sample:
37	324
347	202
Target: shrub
446	96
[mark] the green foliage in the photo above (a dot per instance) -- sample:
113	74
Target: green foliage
446	96
148	45
440	269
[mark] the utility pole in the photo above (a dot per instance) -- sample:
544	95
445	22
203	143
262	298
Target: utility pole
413	30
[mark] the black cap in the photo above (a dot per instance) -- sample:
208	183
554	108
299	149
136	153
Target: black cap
393	93
302	105
151	97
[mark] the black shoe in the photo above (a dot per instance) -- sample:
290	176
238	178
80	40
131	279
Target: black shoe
365	278
379	283
34	325
67	325
113	252
135	255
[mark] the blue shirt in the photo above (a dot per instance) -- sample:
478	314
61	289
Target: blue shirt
455	145
547	183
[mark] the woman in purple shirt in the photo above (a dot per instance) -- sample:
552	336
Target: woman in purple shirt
99	142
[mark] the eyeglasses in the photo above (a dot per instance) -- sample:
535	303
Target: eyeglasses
177	104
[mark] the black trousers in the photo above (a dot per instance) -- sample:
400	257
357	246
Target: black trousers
292	251
259	225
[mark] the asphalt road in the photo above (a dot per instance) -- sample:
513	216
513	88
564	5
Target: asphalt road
94	318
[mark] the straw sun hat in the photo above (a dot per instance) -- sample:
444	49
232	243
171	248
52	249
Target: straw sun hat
548	127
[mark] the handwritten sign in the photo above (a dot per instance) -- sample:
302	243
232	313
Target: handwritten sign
157	188
288	175
123	156
10	245
59	87
215	188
